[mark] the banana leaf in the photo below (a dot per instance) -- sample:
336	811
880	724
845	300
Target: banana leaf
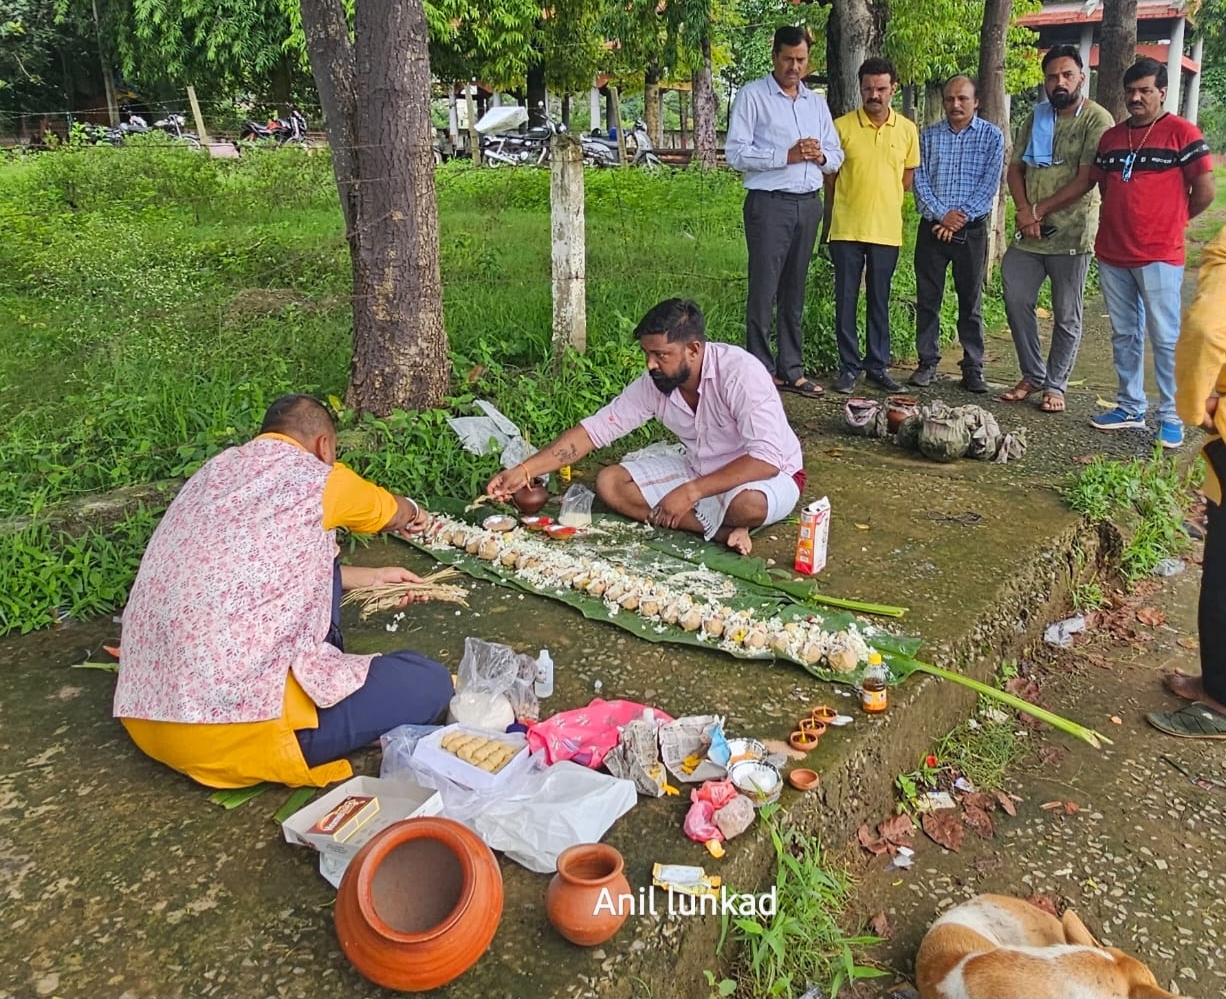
232	797
622	542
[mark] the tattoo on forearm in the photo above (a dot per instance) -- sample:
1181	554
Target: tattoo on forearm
566	453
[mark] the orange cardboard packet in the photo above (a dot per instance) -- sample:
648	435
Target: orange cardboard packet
347	817
812	537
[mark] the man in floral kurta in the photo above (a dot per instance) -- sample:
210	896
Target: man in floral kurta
232	668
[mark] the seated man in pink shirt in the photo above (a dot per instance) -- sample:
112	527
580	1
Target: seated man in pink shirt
742	465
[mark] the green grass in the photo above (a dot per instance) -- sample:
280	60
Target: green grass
152	303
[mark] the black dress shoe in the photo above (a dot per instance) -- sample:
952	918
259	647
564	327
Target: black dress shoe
924	375
845	383
972	381
883	381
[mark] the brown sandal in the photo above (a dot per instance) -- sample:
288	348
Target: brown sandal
1053	402
1020	392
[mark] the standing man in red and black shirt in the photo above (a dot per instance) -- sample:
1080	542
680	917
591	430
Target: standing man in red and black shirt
1155	174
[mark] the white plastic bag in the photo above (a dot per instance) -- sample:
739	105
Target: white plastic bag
492	682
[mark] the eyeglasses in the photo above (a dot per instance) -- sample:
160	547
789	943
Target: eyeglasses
1126	175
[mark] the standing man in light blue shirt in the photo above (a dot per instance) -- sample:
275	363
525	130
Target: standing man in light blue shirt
961	161
782	138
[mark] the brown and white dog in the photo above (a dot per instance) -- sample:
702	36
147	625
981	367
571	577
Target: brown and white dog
996	947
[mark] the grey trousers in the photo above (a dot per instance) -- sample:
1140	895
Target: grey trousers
1022	274
780	230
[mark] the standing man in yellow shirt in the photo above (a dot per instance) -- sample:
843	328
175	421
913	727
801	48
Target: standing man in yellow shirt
864	222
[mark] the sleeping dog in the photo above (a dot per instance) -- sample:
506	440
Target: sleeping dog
996	947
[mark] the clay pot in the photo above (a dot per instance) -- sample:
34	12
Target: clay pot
803	779
530	498
802	741
898	408
590	876
824	713
419	904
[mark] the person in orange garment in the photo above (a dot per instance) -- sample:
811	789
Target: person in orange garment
1200	381
233	670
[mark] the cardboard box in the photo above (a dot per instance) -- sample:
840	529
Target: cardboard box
347	817
397	800
430	753
812	537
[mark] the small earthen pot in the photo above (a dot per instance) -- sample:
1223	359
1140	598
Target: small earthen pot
811	726
802	741
803	779
825	714
419	904
898	408
530	498
590	882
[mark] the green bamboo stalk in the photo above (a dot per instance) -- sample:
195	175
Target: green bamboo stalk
859	606
1095	739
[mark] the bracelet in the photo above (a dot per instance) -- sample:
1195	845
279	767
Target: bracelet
416	510
527	477
1034	212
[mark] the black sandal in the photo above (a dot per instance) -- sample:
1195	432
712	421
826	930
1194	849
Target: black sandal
805	387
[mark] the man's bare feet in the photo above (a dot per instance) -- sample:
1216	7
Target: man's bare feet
739	540
1190	688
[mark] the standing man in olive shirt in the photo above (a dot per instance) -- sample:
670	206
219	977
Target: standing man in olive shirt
1056	224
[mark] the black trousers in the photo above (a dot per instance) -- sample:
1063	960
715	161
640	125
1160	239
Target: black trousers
1211	611
780	230
969	259
876	264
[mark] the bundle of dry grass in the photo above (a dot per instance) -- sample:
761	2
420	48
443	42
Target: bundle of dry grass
389	596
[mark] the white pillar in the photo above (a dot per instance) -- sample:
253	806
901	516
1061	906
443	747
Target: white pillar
1087	47
1191	103
595	122
453	120
1174	66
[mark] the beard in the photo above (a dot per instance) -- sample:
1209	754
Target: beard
666	384
1061	98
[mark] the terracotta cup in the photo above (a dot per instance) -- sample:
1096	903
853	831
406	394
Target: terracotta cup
824	713
419	904
585	900
802	740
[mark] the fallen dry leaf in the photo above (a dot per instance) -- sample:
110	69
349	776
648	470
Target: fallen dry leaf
475	373
1023	687
1151	616
944	828
1071	808
1117	720
862	527
1187	643
874	846
980	821
899	827
1006	802
1042	313
1084	459
880	926
977	799
1051	755
1047	806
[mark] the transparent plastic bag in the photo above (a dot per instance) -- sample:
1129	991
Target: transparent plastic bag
577	506
494	682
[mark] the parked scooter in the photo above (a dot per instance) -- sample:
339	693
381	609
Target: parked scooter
502	145
601	151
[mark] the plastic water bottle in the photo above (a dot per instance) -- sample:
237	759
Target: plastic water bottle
544	674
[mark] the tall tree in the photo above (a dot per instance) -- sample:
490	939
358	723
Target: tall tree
855	31
993	104
690	25
375	92
1117	51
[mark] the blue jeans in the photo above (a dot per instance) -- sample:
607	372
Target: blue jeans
1143	300
401	688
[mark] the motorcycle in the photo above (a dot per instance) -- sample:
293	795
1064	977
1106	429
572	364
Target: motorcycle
601	151
500	146
279	130
172	125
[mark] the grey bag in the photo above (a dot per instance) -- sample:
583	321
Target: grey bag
866	417
944	438
908	432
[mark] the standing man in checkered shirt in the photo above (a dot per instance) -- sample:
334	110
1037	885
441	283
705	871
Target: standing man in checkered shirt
961	159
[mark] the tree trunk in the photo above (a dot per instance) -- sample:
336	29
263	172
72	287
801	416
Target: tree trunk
537	94
993	107
108	80
281	80
704	109
908	101
934	103
651	103
1116	52
854	32
400	353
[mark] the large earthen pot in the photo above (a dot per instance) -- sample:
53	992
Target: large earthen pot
531	497
586	900
419	904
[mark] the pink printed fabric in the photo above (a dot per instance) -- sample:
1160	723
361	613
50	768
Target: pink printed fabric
234	592
586	735
739	413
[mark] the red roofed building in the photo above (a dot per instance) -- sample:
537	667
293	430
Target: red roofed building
1163	27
